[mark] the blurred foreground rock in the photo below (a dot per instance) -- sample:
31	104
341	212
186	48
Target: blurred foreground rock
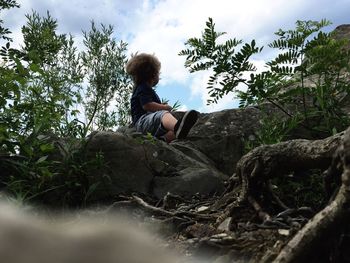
76	239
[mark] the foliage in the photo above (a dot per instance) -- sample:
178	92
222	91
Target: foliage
228	65
56	174
103	63
272	130
42	85
306	81
56	89
318	59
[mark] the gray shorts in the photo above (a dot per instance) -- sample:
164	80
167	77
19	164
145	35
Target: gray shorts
151	123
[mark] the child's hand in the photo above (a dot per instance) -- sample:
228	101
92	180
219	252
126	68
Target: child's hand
168	107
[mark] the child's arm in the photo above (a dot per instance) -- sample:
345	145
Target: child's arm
154	106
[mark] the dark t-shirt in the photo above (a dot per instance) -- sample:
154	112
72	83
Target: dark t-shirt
142	95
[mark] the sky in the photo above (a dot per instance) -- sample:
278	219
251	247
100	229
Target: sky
163	26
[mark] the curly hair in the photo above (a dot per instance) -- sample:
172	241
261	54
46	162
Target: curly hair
143	68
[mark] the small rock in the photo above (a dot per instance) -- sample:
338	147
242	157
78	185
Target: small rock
221	235
192	240
225	225
202	208
283	232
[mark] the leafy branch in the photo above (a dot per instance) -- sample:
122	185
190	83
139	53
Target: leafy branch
228	65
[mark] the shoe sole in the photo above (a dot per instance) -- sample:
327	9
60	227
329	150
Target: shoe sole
187	122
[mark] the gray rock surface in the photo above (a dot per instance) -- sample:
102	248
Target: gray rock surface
220	135
198	165
188	182
126	165
149	166
343	32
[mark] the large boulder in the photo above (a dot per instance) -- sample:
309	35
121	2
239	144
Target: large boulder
198	165
149	166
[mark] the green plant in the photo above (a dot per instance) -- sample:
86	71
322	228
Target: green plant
103	63
174	107
41	86
228	65
72	172
308	55
306	81
51	77
272	130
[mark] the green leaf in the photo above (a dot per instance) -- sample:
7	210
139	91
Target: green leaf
42	159
46	148
35	68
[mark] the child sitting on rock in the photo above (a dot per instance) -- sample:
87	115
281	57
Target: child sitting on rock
149	114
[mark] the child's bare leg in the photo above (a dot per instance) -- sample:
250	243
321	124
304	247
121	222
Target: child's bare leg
169	121
170	136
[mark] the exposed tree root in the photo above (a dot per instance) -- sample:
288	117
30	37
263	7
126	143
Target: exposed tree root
256	168
331	219
136	201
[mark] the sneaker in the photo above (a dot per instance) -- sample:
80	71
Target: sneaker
186	123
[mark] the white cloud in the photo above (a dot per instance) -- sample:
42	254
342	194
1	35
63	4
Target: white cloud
227	102
198	87
183	108
199	83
